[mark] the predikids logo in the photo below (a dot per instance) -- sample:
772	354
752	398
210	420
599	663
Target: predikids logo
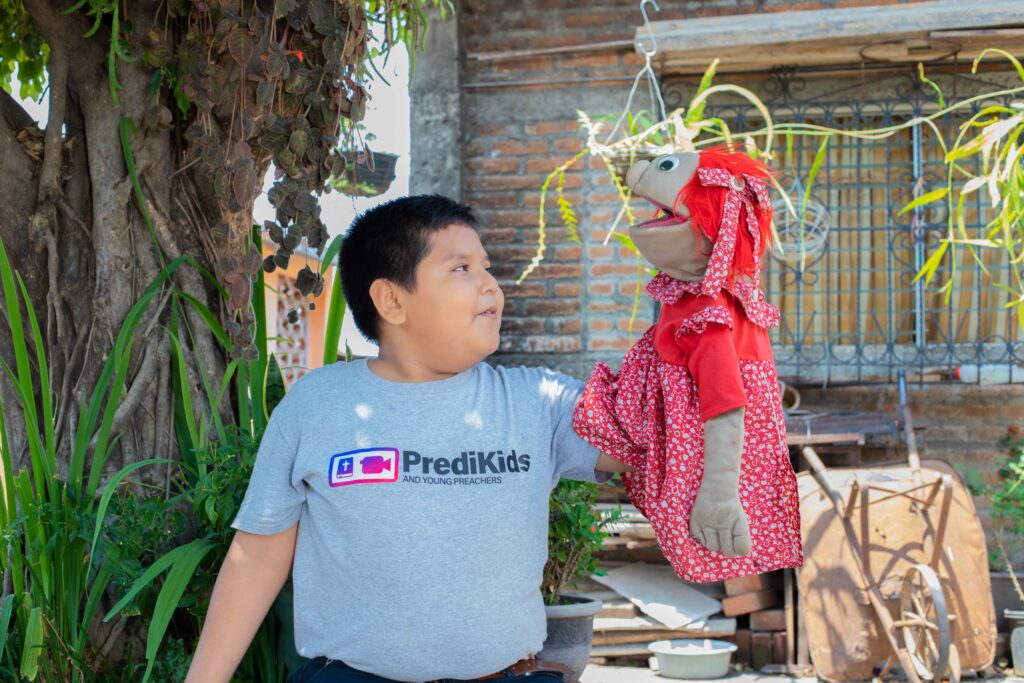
379	465
364	466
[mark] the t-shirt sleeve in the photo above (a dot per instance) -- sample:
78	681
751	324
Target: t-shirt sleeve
573	457
273	500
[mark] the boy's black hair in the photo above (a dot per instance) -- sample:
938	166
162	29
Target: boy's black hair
389	241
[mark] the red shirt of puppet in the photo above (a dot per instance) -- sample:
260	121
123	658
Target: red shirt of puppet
695	408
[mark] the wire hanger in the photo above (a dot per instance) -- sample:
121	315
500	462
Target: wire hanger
652	79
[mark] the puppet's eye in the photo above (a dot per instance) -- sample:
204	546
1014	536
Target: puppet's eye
667	164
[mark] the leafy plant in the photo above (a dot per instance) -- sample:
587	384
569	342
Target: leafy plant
1007	505
575	534
55	555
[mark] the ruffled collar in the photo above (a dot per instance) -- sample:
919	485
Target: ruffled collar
667	290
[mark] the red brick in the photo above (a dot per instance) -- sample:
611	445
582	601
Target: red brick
547	165
563	38
550	127
779	647
532	200
568	253
544	307
582	61
768	620
609	344
569	145
599	288
525	289
533	64
748	584
599	269
492	165
600	325
599	251
540	344
569	326
511	218
748	602
742	640
507	182
795	7
491	235
591	19
638	324
604	198
491	200
516	147
567	289
521	326
511	252
609	307
496	129
553	270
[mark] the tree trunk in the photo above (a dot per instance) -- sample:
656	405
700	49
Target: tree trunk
72	228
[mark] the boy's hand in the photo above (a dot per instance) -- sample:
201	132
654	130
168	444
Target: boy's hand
717	520
253	572
606	463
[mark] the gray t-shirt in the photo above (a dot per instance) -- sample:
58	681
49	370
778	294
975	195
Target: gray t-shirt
422	510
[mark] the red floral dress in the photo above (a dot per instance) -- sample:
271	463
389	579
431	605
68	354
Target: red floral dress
649	416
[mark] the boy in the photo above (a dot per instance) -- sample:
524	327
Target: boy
411	489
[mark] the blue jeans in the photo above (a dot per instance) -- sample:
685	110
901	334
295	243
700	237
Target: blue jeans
323	670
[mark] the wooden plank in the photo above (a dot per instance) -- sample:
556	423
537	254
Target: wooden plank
748	602
735	32
714	628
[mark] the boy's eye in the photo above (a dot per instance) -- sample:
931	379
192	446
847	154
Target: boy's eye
461	266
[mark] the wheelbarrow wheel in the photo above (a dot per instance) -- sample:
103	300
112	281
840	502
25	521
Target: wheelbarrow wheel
924	622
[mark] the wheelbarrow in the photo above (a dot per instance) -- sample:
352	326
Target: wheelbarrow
895	570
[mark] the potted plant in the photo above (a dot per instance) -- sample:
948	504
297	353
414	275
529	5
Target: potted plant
575	534
368	175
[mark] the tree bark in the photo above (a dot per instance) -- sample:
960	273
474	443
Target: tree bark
72	228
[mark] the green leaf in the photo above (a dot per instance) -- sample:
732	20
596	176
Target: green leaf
33	645
173	588
926	198
696	113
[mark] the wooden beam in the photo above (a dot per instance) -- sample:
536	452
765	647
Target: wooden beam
869	24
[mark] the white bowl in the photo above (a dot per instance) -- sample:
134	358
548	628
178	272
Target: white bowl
692	657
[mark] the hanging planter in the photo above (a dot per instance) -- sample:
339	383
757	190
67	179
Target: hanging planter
359	180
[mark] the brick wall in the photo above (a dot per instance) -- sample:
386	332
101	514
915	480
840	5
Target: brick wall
575	308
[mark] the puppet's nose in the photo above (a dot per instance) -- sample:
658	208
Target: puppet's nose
635	172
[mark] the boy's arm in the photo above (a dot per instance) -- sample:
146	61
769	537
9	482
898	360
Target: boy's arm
606	463
253	572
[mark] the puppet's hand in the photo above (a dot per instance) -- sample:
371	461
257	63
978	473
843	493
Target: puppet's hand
717	520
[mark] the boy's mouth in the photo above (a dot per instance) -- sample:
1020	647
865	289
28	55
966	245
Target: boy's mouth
491	312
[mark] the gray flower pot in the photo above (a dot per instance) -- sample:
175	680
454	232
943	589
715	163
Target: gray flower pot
570	631
1015	618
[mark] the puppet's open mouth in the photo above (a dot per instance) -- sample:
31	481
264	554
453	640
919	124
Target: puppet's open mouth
663	217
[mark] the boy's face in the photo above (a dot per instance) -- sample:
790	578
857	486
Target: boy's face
454	314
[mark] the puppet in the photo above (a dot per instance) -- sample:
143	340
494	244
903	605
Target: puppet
695	407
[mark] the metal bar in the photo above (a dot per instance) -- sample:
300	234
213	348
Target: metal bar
501	55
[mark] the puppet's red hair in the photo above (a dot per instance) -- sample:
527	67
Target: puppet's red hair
705	204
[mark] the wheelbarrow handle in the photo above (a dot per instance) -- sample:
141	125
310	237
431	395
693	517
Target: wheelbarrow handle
820	473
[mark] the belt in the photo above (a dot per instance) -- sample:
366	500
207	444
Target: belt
529	664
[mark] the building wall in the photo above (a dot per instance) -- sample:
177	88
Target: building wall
505	132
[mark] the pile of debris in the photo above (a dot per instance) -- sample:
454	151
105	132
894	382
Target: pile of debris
644	601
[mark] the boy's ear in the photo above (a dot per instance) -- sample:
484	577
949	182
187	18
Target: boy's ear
387	299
